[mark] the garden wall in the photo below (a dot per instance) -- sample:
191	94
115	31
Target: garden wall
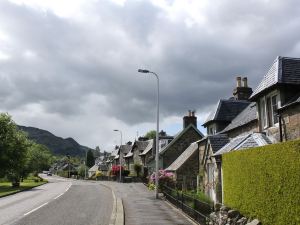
264	182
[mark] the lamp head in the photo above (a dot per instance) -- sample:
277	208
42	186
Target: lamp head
143	71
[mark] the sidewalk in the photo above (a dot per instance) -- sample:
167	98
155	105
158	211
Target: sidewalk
141	207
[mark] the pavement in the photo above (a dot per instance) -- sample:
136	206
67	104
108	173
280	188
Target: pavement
142	208
60	202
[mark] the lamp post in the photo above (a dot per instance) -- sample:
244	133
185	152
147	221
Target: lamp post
120	155
68	156
157	130
85	164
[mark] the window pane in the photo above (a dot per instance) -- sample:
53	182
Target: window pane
269	112
263	113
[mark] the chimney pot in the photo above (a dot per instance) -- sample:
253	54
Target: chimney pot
238	81
190	112
193	113
245	84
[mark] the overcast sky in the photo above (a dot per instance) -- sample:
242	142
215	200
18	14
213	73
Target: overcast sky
70	67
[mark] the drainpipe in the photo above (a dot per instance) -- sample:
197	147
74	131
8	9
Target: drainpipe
280	127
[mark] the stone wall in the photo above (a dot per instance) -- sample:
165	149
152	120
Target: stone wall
186	175
177	148
291	123
227	216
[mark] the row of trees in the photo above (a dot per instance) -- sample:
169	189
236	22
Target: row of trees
18	155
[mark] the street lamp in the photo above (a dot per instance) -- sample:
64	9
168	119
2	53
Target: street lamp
68	156
120	155
157	130
85	164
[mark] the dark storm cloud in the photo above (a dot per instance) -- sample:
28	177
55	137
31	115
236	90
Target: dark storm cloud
197	64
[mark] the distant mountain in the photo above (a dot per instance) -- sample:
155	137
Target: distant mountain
57	145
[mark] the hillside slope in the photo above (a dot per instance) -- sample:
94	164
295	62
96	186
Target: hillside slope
57	145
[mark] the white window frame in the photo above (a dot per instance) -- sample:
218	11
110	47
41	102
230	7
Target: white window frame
264	110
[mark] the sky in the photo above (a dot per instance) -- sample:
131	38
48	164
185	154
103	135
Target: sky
70	66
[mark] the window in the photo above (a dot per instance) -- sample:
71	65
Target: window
268	110
274	108
263	113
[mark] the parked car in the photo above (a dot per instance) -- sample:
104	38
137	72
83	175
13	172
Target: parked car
49	174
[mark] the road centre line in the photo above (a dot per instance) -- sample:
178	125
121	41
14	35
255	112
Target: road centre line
48	202
59	196
36	209
64	191
68	187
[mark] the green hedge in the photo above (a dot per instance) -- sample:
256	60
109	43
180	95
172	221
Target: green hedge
264	182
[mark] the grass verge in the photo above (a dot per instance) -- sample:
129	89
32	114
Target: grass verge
7	189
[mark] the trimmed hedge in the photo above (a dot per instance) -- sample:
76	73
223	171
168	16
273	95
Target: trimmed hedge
264	182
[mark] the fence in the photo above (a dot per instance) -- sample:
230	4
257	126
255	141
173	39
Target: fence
196	209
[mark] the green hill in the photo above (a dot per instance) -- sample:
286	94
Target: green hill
57	145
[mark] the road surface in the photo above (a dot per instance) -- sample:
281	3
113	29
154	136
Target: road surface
60	202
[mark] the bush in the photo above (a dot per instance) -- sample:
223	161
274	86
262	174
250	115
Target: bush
164	178
115	170
137	169
264	182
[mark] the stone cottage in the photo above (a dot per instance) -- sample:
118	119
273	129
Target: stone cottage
181	141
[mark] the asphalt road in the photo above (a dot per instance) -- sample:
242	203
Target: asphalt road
60	202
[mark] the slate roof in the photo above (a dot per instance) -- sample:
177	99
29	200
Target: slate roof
244	142
217	141
125	148
284	70
129	154
226	110
148	148
183	157
103	167
178	136
248	115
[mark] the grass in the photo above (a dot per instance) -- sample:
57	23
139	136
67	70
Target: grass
7	189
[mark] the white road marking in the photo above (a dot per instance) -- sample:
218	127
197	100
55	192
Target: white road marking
48	202
59	196
68	187
36	209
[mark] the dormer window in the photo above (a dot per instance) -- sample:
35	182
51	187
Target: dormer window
268	110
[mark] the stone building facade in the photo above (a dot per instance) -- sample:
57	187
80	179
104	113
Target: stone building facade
180	143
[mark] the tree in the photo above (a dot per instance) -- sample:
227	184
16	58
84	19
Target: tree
39	158
81	170
90	160
150	134
13	150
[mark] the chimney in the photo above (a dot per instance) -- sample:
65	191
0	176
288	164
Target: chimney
245	82
238	82
189	119
242	92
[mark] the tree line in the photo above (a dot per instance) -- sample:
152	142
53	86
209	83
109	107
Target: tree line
20	156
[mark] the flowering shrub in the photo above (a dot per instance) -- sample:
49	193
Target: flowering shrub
115	169
164	178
